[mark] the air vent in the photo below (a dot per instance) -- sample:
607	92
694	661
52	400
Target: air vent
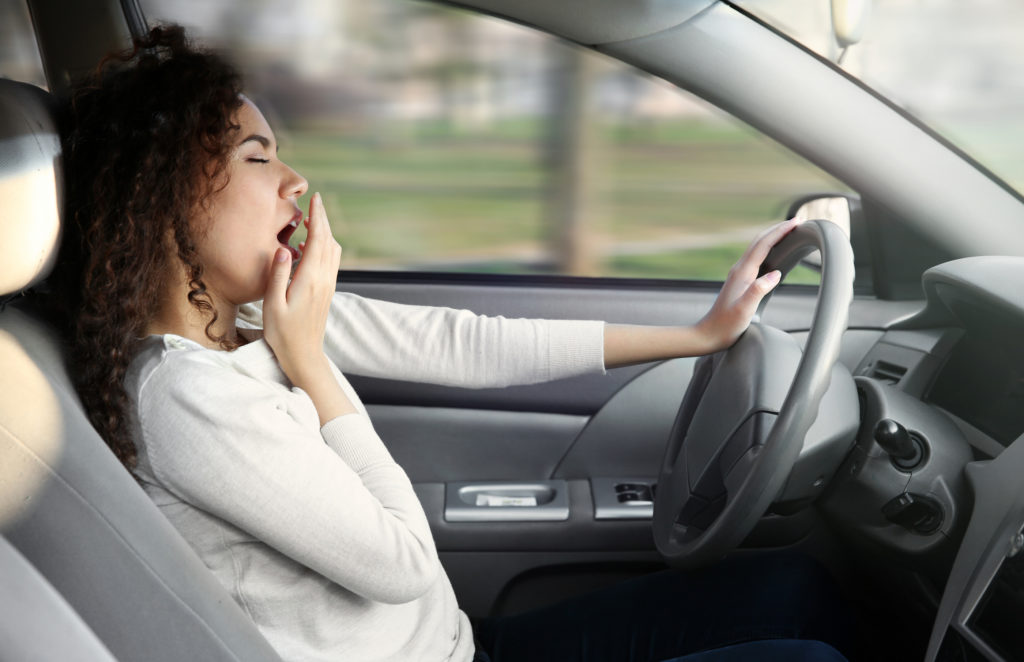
883	371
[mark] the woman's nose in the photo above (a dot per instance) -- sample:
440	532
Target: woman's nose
294	184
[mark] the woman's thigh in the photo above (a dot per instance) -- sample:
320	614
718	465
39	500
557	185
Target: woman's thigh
673	613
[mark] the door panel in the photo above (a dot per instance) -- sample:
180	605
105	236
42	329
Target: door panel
612	425
508	582
626	437
436	444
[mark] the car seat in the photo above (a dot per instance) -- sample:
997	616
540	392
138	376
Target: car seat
66	503
36	623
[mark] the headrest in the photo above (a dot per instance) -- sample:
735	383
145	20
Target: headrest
31	186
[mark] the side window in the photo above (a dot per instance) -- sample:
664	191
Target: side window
19	55
442	140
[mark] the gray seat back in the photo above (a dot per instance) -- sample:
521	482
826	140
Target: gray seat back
66	503
36	623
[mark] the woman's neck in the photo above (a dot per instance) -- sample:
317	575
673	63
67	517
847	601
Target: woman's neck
177	315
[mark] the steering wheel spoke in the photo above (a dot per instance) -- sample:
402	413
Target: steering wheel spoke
698	514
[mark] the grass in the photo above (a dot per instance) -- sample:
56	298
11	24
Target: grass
698	264
430	193
701	264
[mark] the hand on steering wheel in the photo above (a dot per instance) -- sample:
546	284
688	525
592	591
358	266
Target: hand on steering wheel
742	422
743	290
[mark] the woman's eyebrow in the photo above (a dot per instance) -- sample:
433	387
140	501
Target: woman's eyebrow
263	140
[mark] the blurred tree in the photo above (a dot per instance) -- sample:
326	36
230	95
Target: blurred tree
573	161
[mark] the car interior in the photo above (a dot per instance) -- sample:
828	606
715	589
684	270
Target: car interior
888	400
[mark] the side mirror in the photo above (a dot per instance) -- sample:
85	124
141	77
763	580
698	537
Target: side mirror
840	208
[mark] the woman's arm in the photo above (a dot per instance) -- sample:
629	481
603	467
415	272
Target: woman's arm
439	345
249	452
460	348
721	327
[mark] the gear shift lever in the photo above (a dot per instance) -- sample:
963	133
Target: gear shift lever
905	451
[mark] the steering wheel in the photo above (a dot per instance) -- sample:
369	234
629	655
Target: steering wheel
742	422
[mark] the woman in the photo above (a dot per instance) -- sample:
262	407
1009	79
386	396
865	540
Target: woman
245	433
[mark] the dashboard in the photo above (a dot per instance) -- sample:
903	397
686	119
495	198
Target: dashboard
938	465
982	383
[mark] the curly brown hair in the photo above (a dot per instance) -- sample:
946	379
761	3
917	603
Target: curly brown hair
147	140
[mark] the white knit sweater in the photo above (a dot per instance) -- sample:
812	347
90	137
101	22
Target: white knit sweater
315	531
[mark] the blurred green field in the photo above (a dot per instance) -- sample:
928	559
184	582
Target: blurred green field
430	196
708	261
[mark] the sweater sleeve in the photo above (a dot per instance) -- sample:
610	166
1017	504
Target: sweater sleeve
244	450
457	347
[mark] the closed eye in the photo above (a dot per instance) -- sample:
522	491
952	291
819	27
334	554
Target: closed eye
255	159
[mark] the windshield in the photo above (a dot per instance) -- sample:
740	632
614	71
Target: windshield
957	65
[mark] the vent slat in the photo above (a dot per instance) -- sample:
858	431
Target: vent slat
889	373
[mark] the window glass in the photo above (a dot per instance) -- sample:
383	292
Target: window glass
19	56
957	65
443	140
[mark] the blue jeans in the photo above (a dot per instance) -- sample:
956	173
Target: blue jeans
772	650
675	613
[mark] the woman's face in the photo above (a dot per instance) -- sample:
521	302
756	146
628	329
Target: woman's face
245	222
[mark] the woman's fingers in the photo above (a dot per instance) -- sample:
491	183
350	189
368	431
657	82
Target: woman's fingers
295	313
280	271
323	231
743	289
317	271
758	289
313	244
320	248
331	253
313	248
744	272
763	244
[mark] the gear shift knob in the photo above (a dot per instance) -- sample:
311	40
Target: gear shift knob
897	442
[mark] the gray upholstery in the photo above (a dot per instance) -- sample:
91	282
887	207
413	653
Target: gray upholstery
35	621
65	502
30	178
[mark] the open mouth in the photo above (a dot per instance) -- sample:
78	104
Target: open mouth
286	233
